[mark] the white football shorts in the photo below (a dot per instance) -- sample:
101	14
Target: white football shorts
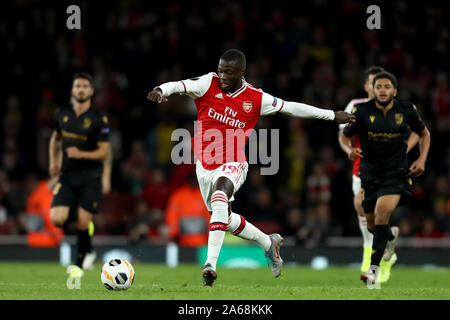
235	171
356	184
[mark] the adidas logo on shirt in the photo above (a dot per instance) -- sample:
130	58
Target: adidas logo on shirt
219	95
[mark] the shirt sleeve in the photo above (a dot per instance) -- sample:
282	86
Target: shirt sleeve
103	129
270	104
415	121
195	87
302	110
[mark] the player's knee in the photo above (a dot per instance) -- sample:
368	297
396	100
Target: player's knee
57	219
84	218
225	185
83	222
382	215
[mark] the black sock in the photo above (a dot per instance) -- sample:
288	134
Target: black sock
69	227
380	239
84	246
391	235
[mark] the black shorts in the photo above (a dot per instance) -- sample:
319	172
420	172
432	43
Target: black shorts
372	189
87	195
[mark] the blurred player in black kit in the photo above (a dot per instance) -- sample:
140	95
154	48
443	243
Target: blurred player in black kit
383	125
78	148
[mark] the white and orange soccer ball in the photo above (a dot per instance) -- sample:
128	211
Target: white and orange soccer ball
117	274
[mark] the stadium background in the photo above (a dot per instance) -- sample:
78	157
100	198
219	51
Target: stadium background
309	51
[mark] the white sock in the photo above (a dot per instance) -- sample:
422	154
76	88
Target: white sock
217	226
238	226
367	236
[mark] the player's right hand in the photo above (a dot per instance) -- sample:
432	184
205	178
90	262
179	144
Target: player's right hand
54	170
343	117
355	153
156	96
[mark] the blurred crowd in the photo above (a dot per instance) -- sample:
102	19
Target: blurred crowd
315	53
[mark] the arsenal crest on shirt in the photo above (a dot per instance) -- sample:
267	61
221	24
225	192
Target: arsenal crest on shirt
247	105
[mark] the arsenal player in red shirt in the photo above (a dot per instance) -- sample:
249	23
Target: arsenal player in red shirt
228	107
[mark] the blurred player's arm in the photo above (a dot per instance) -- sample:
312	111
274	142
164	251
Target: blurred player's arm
270	105
418	126
412	141
103	146
106	175
418	166
101	153
194	88
346	145
55	154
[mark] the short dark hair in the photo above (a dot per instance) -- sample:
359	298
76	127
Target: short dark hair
84	75
372	70
235	55
386	75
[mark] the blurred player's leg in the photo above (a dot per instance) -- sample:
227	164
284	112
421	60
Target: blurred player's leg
84	239
59	215
385	205
273	254
89	258
362	222
217	228
385	268
238	226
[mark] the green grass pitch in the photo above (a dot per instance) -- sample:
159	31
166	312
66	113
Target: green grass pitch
31	281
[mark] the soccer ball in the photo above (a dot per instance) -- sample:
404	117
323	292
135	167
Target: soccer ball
117	274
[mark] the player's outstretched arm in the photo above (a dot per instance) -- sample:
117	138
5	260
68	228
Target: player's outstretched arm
271	105
303	110
343	117
194	88
156	96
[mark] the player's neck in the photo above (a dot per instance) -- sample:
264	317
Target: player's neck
236	87
386	108
82	107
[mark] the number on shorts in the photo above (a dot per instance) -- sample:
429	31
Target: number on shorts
230	167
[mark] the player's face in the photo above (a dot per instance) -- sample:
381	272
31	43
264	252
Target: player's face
368	86
82	90
230	74
384	91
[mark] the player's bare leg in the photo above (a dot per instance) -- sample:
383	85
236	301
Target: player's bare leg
59	215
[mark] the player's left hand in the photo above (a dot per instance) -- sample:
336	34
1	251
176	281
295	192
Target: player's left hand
343	117
73	153
417	167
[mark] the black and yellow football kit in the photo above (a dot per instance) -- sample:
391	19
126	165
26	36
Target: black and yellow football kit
384	166
79	184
